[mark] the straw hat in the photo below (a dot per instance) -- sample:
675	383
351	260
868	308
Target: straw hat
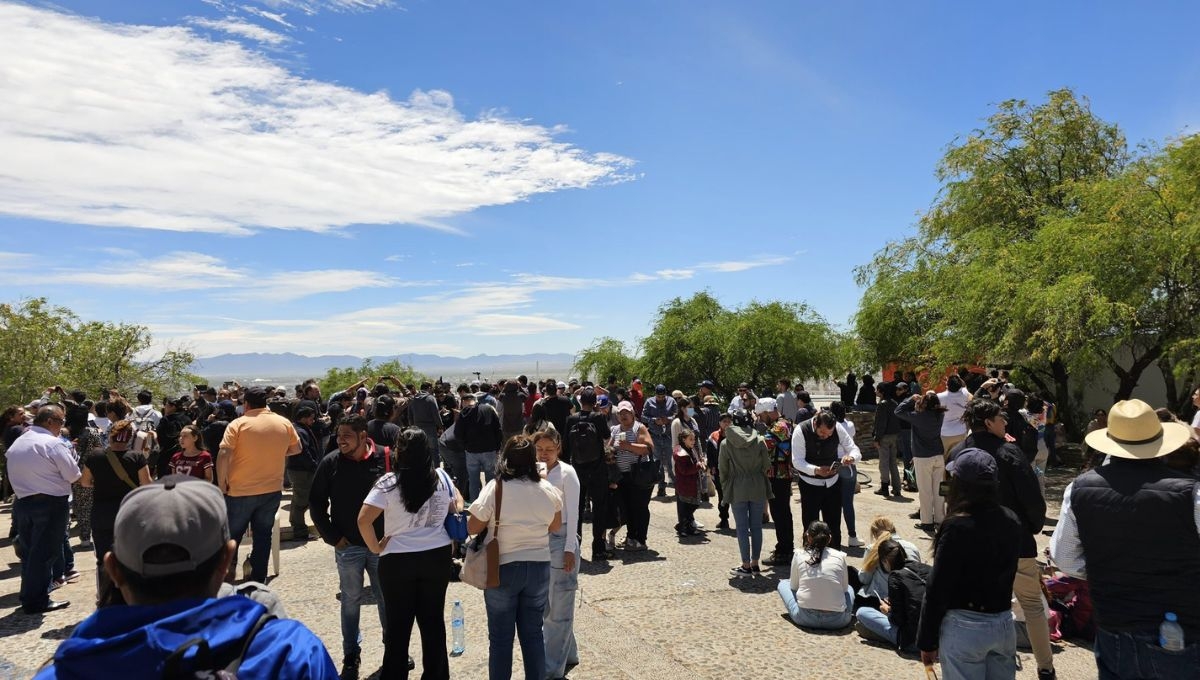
1134	431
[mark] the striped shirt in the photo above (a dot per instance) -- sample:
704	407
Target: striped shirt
625	459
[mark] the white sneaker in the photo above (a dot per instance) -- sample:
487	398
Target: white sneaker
697	526
611	542
856	542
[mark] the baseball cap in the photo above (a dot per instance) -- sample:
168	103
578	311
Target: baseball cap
707	383
660	389
973	465
561	385
177	510
764	405
624	406
601	400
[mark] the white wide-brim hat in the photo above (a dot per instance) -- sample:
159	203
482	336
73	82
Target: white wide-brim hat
1134	431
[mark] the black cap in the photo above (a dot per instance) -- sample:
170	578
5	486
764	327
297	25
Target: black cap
707	383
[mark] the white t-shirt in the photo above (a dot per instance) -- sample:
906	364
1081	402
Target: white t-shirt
411	532
956	405
820	586
564	478
1196	426
525	518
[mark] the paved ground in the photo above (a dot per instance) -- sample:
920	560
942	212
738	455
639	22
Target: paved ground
670	612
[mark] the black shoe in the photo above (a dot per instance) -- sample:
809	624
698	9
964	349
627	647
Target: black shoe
723	525
1047	674
350	666
883	490
51	606
411	664
601	556
925	527
915	515
776	559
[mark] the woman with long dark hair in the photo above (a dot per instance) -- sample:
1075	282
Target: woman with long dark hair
818	594
414	567
967	616
530	510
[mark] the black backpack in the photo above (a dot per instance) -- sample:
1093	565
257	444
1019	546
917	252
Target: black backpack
587	446
203	664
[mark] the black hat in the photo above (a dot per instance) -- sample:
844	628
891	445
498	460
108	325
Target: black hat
742	418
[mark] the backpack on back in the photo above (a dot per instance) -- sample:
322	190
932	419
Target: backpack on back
587	446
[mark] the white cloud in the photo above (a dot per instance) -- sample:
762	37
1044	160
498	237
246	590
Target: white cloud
311	7
743	265
161	128
278	18
242	29
675	274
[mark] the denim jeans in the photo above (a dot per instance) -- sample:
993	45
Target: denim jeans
476	463
814	618
41	525
848	475
558	623
1138	656
518	605
456	465
258	513
977	646
664	452
352	561
747	518
879	626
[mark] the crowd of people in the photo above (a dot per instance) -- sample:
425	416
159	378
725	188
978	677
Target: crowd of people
165	498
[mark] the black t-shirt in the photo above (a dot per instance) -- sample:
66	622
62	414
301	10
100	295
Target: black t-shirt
384	433
11	434
558	409
107	486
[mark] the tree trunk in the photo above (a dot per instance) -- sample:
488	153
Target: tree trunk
1128	378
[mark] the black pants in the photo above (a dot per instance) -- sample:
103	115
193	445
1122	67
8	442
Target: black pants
823	503
781	515
104	520
414	587
685	514
593	478
635	508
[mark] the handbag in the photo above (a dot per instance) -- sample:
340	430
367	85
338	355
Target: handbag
710	485
481	565
644	474
456	522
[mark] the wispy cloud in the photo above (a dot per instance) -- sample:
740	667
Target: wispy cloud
162	128
242	29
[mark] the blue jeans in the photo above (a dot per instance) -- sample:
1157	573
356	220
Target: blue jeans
41	525
258	513
814	618
476	463
880	626
976	646
665	453
558	624
1134	656
352	561
747	518
518	605
848	474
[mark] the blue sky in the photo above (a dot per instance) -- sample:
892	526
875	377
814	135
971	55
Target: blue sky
370	177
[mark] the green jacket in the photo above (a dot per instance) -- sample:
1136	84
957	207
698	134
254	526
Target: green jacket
743	461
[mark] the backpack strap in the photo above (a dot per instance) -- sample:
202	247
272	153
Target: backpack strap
173	664
119	469
258	626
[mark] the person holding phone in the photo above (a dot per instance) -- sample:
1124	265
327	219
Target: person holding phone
819	447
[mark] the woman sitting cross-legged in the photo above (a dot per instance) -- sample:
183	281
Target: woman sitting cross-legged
895	620
818	594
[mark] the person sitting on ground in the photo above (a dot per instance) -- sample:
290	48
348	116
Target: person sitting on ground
171	550
896	618
871	583
688	466
818	594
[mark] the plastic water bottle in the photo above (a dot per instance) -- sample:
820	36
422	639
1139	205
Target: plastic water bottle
1170	634
459	626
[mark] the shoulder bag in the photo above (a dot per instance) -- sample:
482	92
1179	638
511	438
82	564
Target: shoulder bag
456	522
119	469
481	566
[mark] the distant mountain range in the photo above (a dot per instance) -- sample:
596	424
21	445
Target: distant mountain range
272	365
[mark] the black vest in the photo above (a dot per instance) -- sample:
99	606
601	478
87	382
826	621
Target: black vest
819	452
1138	531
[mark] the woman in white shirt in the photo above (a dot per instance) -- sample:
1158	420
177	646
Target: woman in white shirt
818	594
414	567
531	509
558	623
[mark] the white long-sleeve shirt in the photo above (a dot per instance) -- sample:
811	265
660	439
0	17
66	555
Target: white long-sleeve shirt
846	447
956	405
564	478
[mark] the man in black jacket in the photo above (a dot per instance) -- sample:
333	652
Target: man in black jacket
1019	492
300	470
591	467
887	436
478	429
340	484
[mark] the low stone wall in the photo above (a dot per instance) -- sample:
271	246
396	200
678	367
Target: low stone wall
864	433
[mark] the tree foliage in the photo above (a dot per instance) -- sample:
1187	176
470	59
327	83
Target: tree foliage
1051	247
699	339
43	345
337	379
606	356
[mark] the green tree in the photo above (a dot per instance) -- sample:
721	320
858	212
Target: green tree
698	339
337	379
606	356
43	345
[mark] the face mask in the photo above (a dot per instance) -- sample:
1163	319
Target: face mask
691	412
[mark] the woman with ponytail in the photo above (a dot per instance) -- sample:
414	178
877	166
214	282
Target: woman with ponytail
818	594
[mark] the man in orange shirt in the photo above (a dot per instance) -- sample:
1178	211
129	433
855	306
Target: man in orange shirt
250	468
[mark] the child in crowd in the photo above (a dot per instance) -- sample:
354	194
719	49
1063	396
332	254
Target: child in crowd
687	482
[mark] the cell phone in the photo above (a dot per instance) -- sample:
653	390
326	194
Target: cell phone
836	464
227	384
943	488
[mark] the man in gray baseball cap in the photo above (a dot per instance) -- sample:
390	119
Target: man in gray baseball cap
171	550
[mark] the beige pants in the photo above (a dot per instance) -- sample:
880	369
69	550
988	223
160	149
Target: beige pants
930	472
950	442
1027	586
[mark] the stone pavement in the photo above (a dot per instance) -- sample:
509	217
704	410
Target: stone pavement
669	612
